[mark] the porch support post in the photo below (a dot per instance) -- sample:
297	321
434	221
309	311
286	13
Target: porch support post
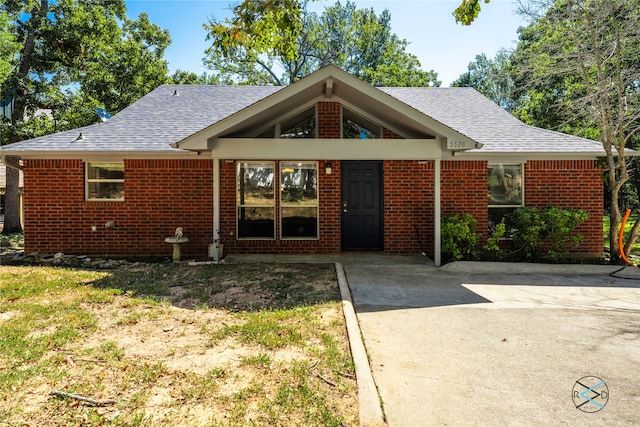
216	208
437	244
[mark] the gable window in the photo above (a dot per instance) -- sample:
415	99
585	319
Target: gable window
104	181
301	125
506	185
255	200
299	200
355	126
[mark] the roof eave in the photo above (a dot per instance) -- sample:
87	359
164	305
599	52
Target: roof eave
528	155
84	154
328	83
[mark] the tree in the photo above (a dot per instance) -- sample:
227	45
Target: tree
357	40
74	56
588	50
264	27
8	46
129	68
467	11
492	78
182	77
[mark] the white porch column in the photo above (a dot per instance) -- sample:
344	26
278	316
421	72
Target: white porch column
437	244
216	206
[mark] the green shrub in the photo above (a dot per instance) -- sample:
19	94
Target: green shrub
492	250
547	234
459	238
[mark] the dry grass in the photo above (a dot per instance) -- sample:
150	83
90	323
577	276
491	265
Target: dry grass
228	345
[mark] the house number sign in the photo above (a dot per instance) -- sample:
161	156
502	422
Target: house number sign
456	144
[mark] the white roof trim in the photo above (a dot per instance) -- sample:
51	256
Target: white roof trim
315	88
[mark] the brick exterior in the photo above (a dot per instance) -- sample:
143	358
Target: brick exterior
408	206
569	184
463	189
161	195
329	120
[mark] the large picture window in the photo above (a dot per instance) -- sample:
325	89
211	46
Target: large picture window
299	200
104	181
256	200
506	184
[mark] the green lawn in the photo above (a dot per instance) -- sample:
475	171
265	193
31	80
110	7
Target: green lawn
632	219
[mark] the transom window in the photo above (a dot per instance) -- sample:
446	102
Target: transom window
302	125
255	200
104	181
355	126
506	185
299	200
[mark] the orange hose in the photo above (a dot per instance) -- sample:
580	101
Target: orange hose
620	235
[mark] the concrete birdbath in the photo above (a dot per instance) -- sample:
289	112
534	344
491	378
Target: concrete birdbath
176	241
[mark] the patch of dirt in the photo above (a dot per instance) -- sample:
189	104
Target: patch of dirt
175	343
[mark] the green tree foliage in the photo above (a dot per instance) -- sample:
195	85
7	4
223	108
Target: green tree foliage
8	46
356	40
579	64
492	78
130	67
468	11
259	27
190	78
74	56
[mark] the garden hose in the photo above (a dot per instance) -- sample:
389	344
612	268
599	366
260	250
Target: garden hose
621	249
621	235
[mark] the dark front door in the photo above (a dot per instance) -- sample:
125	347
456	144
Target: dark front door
361	205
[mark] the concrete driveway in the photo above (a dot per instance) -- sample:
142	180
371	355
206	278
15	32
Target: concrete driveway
479	344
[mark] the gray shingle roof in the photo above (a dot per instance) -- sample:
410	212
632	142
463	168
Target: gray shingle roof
161	118
472	114
156	120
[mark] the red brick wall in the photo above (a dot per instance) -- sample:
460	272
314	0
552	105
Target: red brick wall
463	189
561	183
160	195
408	206
408	212
164	194
329	120
569	184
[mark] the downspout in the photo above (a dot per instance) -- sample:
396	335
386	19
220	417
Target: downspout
437	244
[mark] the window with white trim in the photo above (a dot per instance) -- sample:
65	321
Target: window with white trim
255	200
104	181
299	200
505	192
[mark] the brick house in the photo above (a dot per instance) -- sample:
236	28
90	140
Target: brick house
325	165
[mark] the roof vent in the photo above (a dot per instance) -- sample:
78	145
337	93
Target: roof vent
79	138
175	93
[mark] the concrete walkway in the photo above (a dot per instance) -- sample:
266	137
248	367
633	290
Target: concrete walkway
489	344
500	344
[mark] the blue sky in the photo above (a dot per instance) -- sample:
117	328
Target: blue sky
438	42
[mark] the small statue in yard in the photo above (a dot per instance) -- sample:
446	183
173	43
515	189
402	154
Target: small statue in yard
179	233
